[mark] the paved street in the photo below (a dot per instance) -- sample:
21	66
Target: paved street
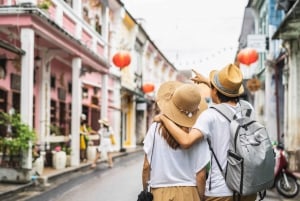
272	195
100	184
92	184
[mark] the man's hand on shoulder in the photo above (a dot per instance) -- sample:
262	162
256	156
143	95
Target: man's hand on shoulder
157	118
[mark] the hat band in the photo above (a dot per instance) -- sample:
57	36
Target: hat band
219	85
186	112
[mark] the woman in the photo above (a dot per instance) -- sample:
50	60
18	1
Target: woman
106	145
176	174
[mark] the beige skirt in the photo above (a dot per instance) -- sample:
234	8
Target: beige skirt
176	193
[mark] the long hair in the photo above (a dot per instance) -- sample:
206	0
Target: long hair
168	137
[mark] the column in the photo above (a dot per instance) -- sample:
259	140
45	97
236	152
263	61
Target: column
76	110
45	101
104	89
27	63
292	137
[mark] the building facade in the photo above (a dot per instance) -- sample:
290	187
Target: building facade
276	69
56	64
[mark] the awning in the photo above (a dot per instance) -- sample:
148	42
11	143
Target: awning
140	96
290	26
11	48
131	91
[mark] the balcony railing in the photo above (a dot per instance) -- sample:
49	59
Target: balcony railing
64	16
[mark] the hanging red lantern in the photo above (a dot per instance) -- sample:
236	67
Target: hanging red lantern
247	56
121	59
147	88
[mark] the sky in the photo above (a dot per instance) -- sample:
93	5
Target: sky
192	34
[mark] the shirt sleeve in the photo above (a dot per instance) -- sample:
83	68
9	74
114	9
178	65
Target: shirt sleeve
203	123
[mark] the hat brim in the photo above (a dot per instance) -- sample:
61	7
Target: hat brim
211	78
169	109
180	118
103	122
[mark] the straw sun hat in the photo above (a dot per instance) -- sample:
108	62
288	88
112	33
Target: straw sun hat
180	102
104	121
228	80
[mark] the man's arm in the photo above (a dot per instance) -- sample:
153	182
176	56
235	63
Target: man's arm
201	178
146	172
183	138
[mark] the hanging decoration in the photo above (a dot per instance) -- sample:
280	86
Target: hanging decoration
253	84
121	59
147	88
247	56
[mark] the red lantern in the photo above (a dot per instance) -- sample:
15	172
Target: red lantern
121	59
247	56
147	88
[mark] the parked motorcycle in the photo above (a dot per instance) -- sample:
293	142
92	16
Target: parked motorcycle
285	182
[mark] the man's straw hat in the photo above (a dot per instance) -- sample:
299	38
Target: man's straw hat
180	102
228	80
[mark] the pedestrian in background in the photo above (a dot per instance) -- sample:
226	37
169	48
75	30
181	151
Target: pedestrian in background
107	141
83	138
226	88
176	174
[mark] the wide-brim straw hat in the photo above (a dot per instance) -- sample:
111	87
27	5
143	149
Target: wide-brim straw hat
180	102
228	81
104	121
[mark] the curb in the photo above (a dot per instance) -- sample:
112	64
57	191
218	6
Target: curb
43	179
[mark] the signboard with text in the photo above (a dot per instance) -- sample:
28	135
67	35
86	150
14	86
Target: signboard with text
256	41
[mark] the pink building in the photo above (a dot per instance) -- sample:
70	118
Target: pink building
53	67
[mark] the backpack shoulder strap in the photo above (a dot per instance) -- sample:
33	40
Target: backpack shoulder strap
224	111
245	109
228	114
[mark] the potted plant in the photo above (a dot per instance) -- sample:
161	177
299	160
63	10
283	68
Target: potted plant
16	138
68	151
59	158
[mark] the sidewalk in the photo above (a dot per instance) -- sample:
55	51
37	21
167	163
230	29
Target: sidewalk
49	173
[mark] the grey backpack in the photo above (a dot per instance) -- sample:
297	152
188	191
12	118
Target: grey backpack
250	158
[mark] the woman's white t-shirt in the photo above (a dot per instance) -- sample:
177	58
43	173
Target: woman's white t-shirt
174	167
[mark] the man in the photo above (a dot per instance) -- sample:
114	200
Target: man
226	88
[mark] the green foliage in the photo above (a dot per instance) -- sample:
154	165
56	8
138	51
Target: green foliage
68	150
45	4
20	135
55	130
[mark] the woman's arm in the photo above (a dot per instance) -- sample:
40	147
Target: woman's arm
146	172
183	138
201	178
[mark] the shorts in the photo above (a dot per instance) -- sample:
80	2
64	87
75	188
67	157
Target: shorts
176	193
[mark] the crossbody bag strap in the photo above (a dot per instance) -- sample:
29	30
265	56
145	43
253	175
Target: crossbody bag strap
150	162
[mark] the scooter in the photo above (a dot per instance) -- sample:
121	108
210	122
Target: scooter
285	182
